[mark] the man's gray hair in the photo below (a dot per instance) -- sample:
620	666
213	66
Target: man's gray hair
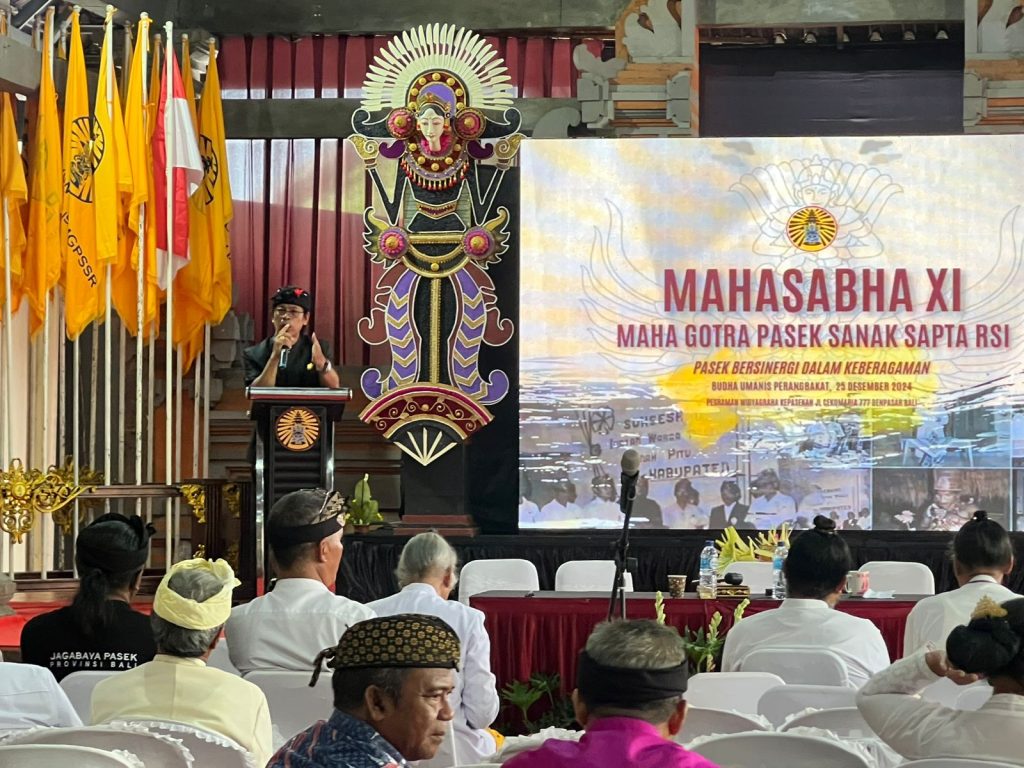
635	645
423	556
195	584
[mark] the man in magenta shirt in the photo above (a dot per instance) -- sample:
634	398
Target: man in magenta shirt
629	700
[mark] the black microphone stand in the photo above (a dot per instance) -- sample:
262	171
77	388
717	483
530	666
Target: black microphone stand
622	558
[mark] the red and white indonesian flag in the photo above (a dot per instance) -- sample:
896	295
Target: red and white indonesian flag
175	151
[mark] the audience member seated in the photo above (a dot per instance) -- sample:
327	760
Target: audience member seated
99	630
982	557
287	627
426	573
191	605
392	678
815	573
629	699
30	697
991	646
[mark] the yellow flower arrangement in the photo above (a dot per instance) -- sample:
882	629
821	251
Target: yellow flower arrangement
733	549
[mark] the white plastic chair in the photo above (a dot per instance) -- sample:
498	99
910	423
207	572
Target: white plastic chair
900	578
79	686
294	706
713	722
798	666
206	747
973	697
756	575
588	576
153	749
487	575
730	691
846	722
771	750
779	703
221	659
53	755
954	762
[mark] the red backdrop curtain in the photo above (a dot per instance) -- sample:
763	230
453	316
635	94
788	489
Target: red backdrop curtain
298	202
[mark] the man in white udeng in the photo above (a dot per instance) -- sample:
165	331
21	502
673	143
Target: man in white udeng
287	627
815	572
768	507
982	558
426	574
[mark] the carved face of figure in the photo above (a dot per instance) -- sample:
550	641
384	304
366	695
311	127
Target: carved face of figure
430	123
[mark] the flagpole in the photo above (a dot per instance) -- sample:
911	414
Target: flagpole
140	284
206	402
8	352
196	394
75	432
108	333
168	345
47	448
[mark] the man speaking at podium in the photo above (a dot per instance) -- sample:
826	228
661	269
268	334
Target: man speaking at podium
290	357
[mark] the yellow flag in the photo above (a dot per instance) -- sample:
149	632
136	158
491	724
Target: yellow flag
125	288
82	286
192	283
112	176
43	256
15	194
214	196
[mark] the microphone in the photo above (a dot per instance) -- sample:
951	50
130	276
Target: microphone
627	480
283	363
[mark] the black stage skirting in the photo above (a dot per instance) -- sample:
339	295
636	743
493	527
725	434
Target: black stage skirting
368	565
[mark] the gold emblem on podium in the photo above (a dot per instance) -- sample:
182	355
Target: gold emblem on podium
297	429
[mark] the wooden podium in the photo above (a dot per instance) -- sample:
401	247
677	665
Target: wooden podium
294	446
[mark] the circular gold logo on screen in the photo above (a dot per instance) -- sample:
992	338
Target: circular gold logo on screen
812	228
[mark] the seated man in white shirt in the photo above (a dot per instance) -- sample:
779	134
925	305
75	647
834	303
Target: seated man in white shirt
991	646
815	573
30	697
769	507
982	558
426	573
287	627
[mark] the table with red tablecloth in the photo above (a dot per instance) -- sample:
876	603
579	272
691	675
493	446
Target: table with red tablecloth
545	631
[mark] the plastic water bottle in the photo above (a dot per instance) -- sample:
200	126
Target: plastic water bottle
707	587
778	576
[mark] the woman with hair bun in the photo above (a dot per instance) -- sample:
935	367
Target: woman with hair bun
982	555
815	570
99	630
990	647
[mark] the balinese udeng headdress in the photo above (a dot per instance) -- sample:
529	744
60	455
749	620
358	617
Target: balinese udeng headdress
192	614
408	640
329	520
91	554
600	685
292	294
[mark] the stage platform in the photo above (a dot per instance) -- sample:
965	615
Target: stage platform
368	564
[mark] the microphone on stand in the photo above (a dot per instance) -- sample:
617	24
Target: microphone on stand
627	482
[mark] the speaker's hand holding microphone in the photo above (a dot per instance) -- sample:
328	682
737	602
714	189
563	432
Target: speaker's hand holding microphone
283	341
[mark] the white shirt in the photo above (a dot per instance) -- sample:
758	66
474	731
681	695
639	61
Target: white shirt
528	511
30	697
288	627
767	513
691	516
799	623
475	698
917	728
600	509
934	617
553	512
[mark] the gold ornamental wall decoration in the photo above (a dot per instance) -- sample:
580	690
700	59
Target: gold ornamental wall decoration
297	429
27	493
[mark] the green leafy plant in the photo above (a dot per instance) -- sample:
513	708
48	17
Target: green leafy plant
704	646
363	509
558	710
